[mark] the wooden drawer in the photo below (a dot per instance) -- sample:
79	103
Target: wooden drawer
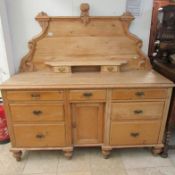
87	95
37	112
137	110
35	95
52	135
132	94
134	133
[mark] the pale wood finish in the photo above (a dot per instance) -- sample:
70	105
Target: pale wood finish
87	123
87	95
134	133
105	65
49	80
134	94
137	110
85	82
42	135
35	95
107	118
37	112
74	37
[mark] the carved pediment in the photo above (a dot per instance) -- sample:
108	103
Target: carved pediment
82	39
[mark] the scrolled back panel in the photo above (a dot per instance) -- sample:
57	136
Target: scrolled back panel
68	38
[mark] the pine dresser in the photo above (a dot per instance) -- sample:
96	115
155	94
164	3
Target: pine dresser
85	82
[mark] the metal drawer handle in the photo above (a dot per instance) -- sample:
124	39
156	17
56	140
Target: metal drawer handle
37	112
135	134
35	95
61	69
87	94
40	136
110	69
139	94
138	111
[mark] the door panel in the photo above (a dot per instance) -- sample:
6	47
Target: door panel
87	123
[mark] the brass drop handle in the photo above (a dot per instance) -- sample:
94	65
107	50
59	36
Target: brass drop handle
62	69
138	111
135	134
87	94
35	95
40	136
110	69
37	112
139	94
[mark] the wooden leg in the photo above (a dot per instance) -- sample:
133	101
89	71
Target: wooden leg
106	152
156	150
17	155
164	153
68	153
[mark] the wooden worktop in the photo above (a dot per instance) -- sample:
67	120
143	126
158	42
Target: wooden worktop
86	80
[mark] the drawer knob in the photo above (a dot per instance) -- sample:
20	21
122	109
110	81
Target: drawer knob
138	111
135	134
139	94
35	95
37	112
87	94
40	136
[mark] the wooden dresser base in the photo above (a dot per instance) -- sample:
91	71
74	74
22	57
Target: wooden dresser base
86	83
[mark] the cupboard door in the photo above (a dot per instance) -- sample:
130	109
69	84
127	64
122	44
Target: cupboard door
87	123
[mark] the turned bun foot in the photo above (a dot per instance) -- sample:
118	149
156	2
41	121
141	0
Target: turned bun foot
68	153
17	155
106	153
156	150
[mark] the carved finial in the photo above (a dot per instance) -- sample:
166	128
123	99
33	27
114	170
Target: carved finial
42	14
43	19
84	7
127	16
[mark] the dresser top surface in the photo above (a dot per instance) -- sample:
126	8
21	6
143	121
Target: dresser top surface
51	80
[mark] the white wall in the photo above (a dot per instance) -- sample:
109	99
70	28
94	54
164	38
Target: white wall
21	15
6	55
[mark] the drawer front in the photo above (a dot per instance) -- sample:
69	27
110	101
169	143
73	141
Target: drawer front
52	135
130	94
87	95
35	95
134	133
37	112
136	110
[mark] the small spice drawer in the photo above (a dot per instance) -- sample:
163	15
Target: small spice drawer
35	95
134	133
137	110
87	95
39	135
136	94
37	112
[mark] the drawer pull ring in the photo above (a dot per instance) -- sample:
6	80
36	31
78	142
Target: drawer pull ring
40	136
35	95
135	134
140	94
138	111
37	112
87	94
